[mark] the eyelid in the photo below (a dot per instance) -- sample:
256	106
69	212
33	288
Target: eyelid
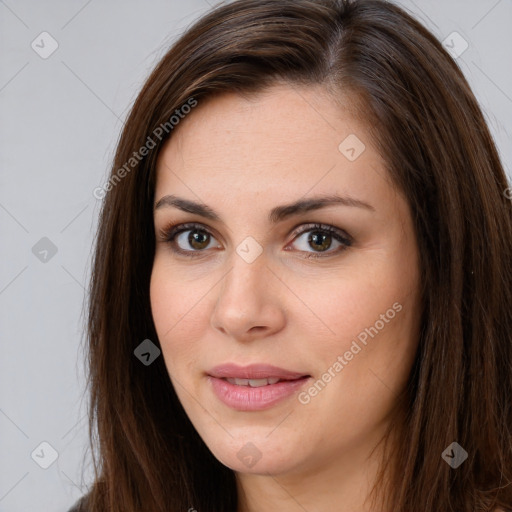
311	226
169	233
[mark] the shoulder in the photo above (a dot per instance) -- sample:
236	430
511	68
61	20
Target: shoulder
82	505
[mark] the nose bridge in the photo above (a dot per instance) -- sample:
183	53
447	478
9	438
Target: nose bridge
241	286
244	300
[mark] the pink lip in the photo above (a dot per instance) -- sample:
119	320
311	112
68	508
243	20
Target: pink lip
253	371
246	398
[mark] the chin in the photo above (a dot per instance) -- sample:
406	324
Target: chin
256	454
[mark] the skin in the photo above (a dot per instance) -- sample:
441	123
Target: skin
242	157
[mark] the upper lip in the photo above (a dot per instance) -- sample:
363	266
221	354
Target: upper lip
254	371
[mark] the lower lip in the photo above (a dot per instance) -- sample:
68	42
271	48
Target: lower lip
246	398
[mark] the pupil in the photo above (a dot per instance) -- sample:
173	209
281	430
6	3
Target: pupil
321	240
198	239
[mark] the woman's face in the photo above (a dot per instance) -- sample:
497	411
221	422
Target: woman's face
258	281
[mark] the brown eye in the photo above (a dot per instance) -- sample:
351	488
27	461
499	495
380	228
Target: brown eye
197	239
320	239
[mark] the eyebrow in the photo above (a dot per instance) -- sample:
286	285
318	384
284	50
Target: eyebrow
277	214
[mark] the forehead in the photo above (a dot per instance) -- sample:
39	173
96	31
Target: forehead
284	141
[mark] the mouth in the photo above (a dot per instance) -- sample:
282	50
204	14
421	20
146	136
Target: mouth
255	387
255	373
258	383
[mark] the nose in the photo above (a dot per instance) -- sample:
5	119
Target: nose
249	302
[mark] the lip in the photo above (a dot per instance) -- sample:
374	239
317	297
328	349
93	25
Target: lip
247	398
253	371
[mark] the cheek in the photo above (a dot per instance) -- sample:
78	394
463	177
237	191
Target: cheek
371	314
176	308
339	308
376	339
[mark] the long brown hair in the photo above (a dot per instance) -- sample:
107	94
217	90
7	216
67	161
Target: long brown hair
431	132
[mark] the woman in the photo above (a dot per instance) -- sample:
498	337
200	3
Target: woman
301	291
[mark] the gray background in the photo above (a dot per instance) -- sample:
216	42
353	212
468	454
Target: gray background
60	120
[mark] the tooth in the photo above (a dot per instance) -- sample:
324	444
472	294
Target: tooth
253	383
256	383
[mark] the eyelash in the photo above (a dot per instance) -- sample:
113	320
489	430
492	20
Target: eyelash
170	232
